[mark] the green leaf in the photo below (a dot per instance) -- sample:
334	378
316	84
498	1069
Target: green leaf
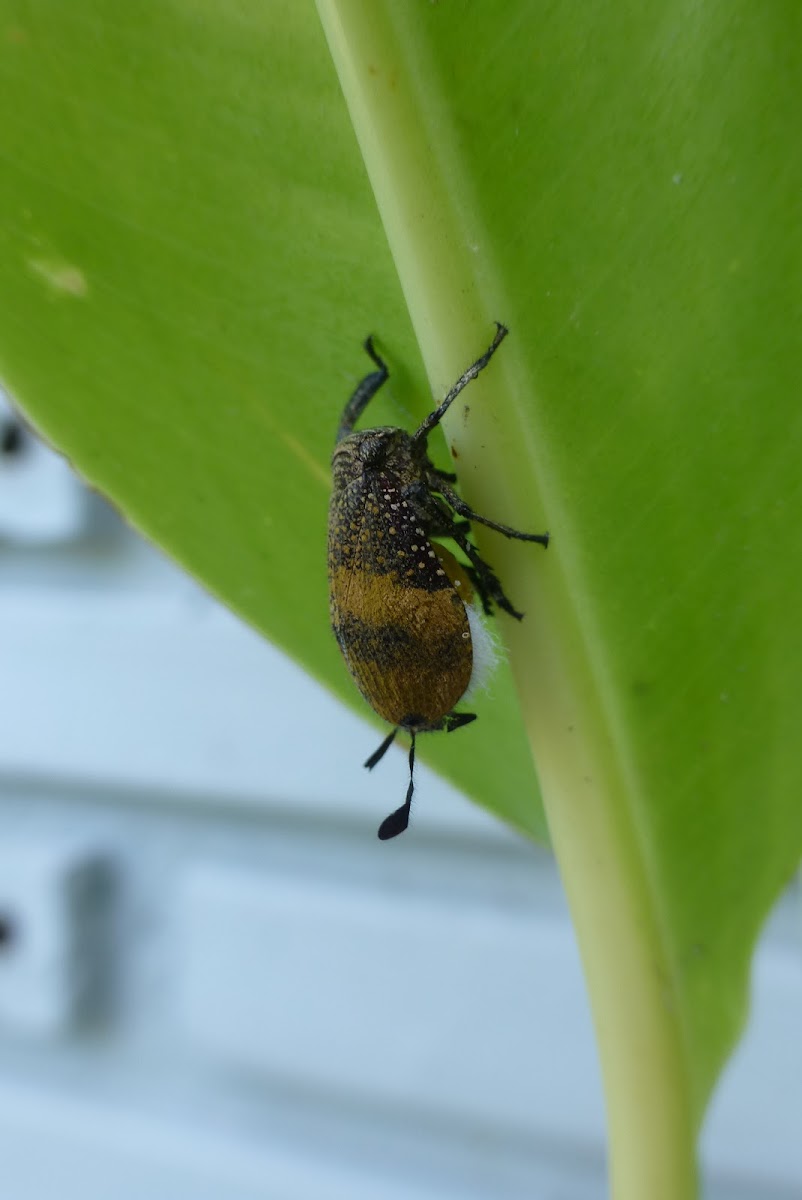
190	259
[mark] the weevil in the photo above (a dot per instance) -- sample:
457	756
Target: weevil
400	603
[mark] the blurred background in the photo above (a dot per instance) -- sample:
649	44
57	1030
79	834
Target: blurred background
216	984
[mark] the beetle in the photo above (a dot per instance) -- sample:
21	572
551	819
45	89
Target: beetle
401	604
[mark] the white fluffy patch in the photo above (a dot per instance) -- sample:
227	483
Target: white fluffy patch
486	649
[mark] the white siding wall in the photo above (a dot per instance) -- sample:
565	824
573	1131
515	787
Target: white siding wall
216	984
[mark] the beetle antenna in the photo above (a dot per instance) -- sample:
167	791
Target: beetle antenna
364	393
379	754
397	822
434	418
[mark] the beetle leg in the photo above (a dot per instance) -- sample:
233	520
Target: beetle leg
439	522
464	510
487	582
480	589
430	511
379	754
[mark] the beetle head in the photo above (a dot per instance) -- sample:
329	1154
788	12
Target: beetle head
367	451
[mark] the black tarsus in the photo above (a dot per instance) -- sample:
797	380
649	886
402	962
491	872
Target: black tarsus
364	393
457	720
434	418
398	821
